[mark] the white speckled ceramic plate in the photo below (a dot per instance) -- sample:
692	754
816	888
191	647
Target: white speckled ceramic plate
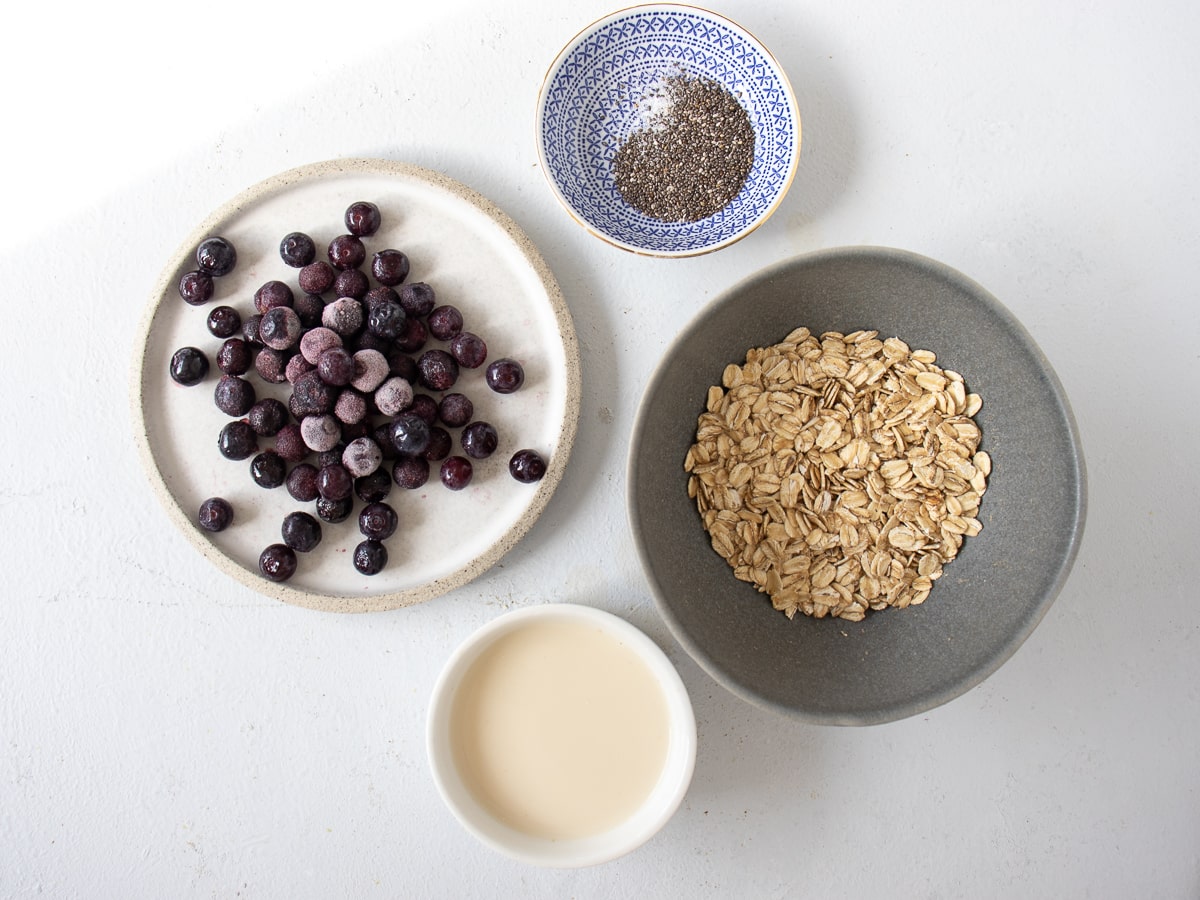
477	259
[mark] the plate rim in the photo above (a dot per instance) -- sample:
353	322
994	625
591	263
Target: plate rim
1003	652
476	566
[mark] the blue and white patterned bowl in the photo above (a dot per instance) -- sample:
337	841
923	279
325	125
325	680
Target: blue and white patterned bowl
589	105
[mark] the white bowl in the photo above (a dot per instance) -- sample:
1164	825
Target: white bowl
592	100
542	849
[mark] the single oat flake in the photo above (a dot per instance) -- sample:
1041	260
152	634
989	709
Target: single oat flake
839	474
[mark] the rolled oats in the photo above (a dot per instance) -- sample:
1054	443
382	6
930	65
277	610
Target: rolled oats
839	474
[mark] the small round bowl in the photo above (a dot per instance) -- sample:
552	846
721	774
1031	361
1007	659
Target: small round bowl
895	662
592	100
574	852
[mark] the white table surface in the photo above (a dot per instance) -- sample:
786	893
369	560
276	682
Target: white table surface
167	732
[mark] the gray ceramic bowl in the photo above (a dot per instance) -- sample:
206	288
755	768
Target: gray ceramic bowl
895	663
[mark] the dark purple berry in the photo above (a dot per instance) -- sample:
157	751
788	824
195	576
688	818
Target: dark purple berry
334	482
336	366
386	319
216	514
424	406
334	510
300	531
188	366
234	396
297	249
390	267
505	376
250	329
456	410
235	357
224	321
410	472
278	562
410	434
381	434
527	466
417	298
268	469
296	366
346	251
311	395
370	557
479	440
271	365
377	295
309	308
280	328
455	473
374	487
216	256
267	416
438	370
237	440
343	316
351	283
196	288
445	322
331	457
316	277
289	443
468	349
400	363
378	520
301	483
362	456
440	444
362	218
414	336
271	295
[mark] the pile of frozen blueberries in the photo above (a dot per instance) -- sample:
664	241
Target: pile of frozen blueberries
372	361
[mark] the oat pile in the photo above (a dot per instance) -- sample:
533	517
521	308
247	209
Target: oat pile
838	474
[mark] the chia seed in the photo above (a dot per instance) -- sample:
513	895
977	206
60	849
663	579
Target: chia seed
692	157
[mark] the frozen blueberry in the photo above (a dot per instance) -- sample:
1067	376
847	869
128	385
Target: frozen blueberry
456	410
363	218
237	440
468	349
386	319
301	482
479	440
277	562
317	341
224	321
272	294
234	357
297	249
374	487
440	444
268	469
336	366
371	369
438	369
410	472
300	531
334	510
216	514
280	328
296	366
350	407
378	520
505	376
317	277
346	251
455	473
344	315
309	307
311	395
271	365
424	406
527	466
370	557
267	416
445	322
188	366
321	432
390	267
417	298
362	457
414	336
393	396
216	256
233	395
289	443
196	288
334	482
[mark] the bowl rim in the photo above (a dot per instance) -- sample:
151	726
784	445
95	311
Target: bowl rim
663	801
789	93
1003	652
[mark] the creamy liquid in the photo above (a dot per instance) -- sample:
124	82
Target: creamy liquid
559	730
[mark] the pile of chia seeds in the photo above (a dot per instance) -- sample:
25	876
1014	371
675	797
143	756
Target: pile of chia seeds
692	157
